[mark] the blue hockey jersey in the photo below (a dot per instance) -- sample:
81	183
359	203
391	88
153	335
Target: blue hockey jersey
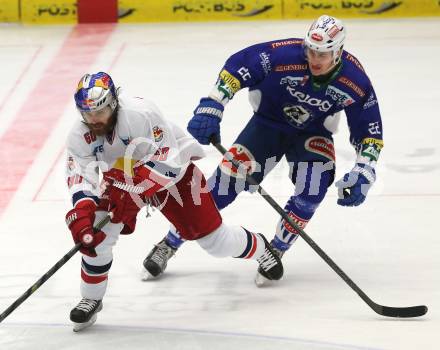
283	92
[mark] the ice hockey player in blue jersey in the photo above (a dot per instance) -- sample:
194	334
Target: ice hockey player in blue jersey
297	87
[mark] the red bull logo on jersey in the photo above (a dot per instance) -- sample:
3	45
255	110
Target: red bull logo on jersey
70	163
157	133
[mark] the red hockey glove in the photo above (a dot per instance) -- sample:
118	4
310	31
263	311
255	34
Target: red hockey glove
80	222
152	181
119	199
124	194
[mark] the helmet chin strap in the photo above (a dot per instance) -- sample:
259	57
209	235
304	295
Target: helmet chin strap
336	60
337	57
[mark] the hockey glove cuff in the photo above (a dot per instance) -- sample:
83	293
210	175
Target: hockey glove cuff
354	186
80	222
205	124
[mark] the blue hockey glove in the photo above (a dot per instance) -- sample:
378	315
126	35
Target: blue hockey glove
353	187
205	124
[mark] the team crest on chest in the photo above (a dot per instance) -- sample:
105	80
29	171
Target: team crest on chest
157	133
296	115
71	163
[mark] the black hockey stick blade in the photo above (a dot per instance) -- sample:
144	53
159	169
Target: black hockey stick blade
402	312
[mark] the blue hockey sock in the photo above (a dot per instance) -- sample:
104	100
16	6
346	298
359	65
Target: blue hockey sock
173	239
286	234
301	206
279	244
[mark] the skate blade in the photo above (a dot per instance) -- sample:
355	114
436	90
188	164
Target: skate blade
261	281
146	276
77	327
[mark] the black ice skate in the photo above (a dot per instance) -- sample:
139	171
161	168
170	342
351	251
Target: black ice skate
85	313
156	262
270	267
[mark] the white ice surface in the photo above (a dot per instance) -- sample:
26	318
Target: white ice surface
390	245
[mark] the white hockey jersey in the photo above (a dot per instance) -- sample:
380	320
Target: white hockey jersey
140	133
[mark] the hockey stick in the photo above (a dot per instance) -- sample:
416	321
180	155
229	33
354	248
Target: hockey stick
411	311
50	273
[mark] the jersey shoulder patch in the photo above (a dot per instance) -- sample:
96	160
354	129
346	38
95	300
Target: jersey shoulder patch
286	42
360	91
349	58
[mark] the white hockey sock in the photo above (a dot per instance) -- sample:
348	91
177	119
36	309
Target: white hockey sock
94	270
233	241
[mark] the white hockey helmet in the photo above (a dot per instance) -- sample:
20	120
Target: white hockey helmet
326	34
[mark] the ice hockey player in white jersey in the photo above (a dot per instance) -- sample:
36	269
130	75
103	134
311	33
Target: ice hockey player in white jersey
144	160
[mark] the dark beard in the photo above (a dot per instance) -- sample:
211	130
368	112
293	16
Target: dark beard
104	129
